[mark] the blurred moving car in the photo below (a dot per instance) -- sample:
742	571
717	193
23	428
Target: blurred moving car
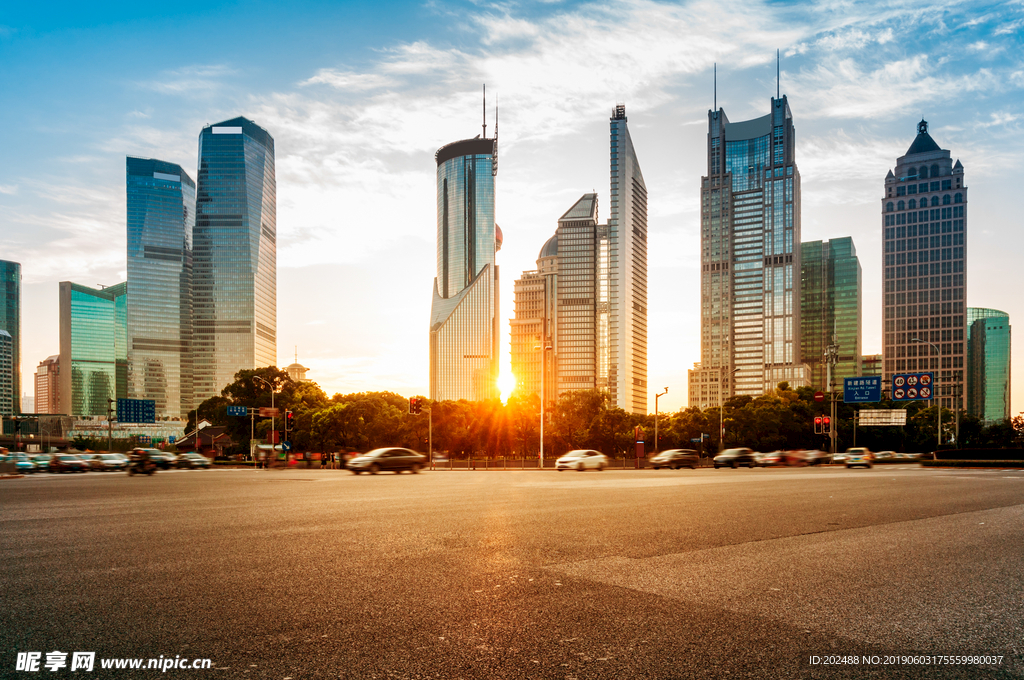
65	462
42	462
106	461
674	459
772	459
193	461
735	457
382	460
582	459
22	463
164	460
858	457
885	455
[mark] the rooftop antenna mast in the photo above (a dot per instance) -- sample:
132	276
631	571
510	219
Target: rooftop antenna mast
778	74
485	111
716	86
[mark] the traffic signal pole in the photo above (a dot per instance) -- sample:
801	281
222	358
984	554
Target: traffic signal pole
831	357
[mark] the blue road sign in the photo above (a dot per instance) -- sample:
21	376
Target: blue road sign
912	386
695	439
136	411
287	446
238	411
864	389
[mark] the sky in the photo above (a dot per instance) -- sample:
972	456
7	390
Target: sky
358	96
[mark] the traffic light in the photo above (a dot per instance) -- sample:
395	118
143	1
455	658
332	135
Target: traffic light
817	424
419	406
826	425
412	404
289	420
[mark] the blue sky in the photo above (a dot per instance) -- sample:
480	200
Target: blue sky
359	95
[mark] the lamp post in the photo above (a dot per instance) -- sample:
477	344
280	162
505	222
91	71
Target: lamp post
543	370
938	401
656	418
272	419
721	408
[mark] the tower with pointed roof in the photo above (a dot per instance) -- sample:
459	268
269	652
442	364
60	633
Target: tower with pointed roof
924	252
464	335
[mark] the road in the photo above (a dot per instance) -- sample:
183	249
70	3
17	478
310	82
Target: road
526	574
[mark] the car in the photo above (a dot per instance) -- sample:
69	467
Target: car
164	460
735	457
582	459
386	459
885	455
42	462
107	461
771	459
23	464
66	462
858	457
675	459
193	461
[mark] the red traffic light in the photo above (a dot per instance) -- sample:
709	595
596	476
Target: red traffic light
817	424
826	421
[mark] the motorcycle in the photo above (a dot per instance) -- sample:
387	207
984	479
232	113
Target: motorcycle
139	467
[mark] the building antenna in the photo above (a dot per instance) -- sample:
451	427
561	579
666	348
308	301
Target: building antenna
495	118
485	111
778	74
716	86
296	354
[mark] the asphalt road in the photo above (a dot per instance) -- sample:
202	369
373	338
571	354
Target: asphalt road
529	574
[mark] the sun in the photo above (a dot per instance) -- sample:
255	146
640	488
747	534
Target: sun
506	383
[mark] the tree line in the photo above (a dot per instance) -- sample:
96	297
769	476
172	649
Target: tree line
782	419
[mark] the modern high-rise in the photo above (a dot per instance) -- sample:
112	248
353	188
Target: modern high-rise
7	393
626	305
750	259
871	364
924	275
464	336
988	364
830	309
234	255
47	386
93	348
10	320
161	218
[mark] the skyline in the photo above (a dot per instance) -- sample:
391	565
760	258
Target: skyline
356	127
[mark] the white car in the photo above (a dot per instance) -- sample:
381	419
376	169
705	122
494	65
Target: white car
582	459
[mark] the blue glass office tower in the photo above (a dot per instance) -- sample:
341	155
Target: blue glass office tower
6	374
161	217
464	313
10	321
234	256
93	348
750	259
988	364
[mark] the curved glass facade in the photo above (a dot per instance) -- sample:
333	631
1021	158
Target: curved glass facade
464	313
234	255
161	217
10	321
93	348
988	364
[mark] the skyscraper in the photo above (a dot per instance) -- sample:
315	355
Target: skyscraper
464	334
626	306
10	321
161	217
7	393
47	387
924	253
234	255
830	309
93	348
988	364
750	259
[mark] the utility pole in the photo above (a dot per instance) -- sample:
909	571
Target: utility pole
656	396
831	359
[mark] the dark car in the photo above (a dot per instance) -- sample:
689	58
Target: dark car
65	462
674	459
382	460
193	461
734	458
163	459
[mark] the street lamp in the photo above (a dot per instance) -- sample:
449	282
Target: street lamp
543	370
272	419
721	409
938	402
656	418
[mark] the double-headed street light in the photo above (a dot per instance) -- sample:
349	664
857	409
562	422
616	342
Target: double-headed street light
656	418
543	370
271	388
938	401
721	408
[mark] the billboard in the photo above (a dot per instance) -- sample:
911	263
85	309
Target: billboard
136	411
882	417
912	386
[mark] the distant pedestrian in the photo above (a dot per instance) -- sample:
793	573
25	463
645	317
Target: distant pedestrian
323	460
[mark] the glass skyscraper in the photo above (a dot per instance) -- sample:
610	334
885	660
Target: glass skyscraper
234	255
10	321
988	364
924	226
750	259
93	348
830	309
161	217
624	310
464	332
7	393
